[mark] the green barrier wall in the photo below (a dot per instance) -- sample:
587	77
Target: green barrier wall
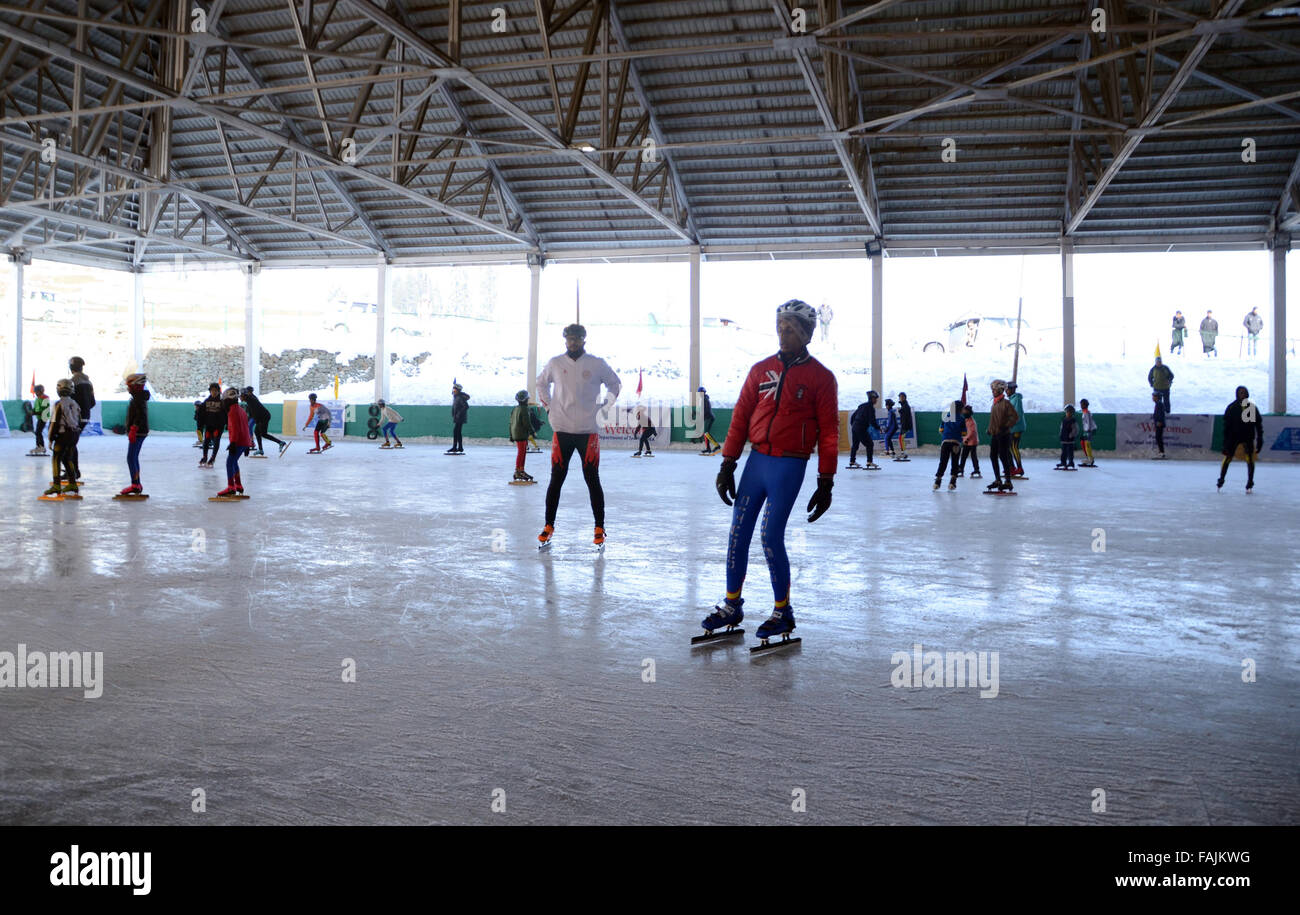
1043	430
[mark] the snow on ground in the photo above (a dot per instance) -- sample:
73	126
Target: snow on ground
482	665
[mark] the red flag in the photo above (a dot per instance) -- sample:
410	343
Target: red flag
964	387
639	374
32	389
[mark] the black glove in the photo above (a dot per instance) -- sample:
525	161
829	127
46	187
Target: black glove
726	481
821	499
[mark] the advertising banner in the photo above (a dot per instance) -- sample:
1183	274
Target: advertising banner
1186	434
1281	439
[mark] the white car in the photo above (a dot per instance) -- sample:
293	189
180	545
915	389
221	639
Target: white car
984	332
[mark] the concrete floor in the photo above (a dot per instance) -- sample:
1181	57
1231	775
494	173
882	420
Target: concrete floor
481	665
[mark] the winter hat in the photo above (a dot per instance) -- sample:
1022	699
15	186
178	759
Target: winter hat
248	390
521	396
575	330
457	387
888	402
311	397
230	394
802	313
1069	408
701	390
381	403
136	379
871	394
1011	387
998	386
64	387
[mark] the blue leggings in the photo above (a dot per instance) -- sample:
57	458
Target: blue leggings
390	429
232	462
776	481
133	458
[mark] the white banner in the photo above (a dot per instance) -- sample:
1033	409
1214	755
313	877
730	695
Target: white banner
302	408
1186	434
4	424
1281	438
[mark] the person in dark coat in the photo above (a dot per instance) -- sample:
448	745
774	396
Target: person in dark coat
459	414
1180	333
861	423
1069	435
1209	332
214	424
1253	324
260	417
710	443
1242	428
83	392
1160	378
1158	422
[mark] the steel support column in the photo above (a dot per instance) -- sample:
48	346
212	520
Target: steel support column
694	373
1067	319
877	262
15	354
382	368
534	313
136	334
252	330
1277	351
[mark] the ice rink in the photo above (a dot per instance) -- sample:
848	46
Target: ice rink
565	685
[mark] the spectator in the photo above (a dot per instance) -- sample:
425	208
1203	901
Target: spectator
1254	324
1160	378
1209	332
1180	333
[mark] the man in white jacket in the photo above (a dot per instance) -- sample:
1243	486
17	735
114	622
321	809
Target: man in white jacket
569	388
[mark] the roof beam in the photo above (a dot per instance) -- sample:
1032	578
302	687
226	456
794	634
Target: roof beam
1171	90
120	230
1290	200
430	53
217	113
799	46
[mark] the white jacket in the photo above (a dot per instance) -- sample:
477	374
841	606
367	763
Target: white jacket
575	400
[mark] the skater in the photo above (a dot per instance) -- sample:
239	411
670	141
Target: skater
710	443
1069	432
1161	377
83	392
970	444
40	418
137	429
891	426
65	430
198	423
459	414
1209	332
569	388
1002	416
788	407
824	315
951	429
861	423
904	426
1242	429
521	429
1158	421
1017	401
214	423
1180	333
646	430
240	442
259	420
390	418
1087	427
319	414
1253	324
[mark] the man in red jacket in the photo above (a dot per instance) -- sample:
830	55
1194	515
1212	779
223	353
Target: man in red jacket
788	407
241	440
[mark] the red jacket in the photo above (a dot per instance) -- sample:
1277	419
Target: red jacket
237	427
787	412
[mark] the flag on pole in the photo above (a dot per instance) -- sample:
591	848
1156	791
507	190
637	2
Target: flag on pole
1157	349
964	388
639	377
32	389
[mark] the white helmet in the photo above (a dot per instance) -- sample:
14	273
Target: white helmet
802	312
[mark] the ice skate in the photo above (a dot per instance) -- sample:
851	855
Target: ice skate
1219	485
952	484
726	616
314	451
1250	484
386	444
284	446
872	466
599	539
328	446
226	493
398	445
544	538
936	483
55	489
780	623
636	454
38	452
854	465
133	490
996	485
977	475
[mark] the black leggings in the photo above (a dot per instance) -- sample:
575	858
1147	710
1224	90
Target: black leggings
644	444
562	448
456	443
864	439
972	452
949	451
211	437
261	431
1160	438
1000	450
64	451
40	439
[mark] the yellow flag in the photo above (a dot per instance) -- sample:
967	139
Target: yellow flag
1157	350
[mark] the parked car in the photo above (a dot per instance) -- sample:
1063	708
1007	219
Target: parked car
984	332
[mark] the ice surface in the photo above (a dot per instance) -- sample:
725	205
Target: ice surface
482	665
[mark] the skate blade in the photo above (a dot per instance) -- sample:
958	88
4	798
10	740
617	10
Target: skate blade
257	457
130	498
59	498
223	498
994	492
544	547
770	645
715	636
523	482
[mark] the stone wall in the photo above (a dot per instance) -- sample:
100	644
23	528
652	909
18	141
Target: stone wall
177	373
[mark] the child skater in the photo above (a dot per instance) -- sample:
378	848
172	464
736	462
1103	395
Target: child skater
65	430
1087	426
41	416
521	429
198	423
390	418
951	428
137	429
214	421
970	442
240	442
891	425
1069	432
320	415
646	430
904	426
861	423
